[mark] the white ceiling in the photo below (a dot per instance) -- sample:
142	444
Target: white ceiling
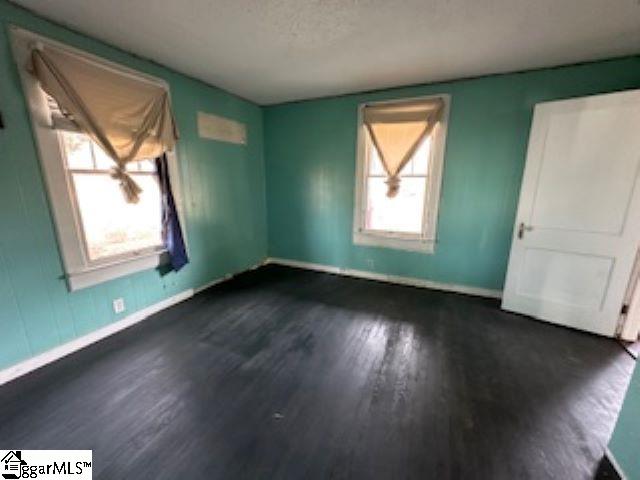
272	51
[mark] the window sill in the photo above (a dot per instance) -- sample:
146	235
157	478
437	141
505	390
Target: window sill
371	239
104	273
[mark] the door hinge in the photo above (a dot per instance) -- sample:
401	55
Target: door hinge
625	309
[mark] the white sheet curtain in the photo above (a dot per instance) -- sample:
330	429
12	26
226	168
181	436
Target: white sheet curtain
396	131
129	117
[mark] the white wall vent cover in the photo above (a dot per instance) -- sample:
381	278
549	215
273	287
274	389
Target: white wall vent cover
222	129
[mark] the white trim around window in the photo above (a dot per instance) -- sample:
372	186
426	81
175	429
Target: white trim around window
79	271
425	241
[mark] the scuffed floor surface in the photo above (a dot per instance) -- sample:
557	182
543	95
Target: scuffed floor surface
283	373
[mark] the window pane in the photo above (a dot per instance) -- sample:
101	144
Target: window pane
147	165
141	166
103	161
111	225
375	164
77	150
402	213
420	159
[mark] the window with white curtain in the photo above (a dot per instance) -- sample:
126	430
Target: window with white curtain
399	209
101	236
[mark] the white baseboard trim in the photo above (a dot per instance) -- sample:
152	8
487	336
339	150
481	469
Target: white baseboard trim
63	350
614	463
414	282
33	363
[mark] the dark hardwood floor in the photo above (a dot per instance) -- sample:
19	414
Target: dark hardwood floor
283	373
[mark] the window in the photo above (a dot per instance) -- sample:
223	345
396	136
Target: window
407	219
100	235
110	226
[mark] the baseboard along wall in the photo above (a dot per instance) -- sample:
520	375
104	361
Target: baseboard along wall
381	277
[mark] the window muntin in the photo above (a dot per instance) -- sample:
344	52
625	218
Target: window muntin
110	227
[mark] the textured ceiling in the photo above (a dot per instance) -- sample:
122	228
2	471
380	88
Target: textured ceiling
272	51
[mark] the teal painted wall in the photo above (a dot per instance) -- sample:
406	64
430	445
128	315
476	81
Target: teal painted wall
224	193
311	151
625	442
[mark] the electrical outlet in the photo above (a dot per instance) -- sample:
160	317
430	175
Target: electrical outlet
118	305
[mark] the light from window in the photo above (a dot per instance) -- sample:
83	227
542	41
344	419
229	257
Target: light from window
403	213
111	227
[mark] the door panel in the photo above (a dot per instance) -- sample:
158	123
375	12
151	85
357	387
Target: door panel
579	188
568	278
579	211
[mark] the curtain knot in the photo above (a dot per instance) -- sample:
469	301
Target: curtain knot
130	189
393	185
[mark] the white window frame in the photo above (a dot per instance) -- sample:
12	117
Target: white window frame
80	271
424	241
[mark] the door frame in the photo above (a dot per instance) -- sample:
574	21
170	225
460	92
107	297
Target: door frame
629	325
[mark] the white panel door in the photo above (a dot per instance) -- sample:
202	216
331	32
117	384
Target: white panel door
578	223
